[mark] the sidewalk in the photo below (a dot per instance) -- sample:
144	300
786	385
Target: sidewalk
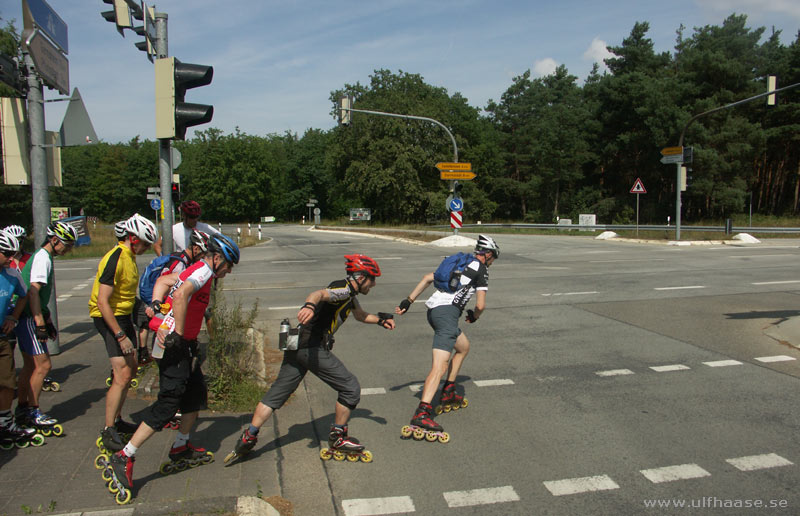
60	477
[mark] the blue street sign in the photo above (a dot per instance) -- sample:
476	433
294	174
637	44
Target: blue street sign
49	22
155	204
456	204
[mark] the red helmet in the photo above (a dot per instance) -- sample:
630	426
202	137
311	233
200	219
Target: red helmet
361	263
190	208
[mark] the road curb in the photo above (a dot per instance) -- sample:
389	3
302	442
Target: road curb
241	506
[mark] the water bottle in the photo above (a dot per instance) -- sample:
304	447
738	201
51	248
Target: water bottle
167	324
283	336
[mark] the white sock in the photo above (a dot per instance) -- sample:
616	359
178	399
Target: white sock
130	450
180	440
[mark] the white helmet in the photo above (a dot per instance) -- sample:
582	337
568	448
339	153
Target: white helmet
487	243
8	242
16	231
142	228
120	230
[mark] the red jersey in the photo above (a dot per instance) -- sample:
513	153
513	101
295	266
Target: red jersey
201	276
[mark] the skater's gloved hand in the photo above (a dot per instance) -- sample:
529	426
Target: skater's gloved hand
172	340
386	320
52	332
403	307
41	333
471	316
153	308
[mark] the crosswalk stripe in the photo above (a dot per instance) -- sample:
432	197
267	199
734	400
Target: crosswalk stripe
672	473
755	462
481	496
374	506
580	485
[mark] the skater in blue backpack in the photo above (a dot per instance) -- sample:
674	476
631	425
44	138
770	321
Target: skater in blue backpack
457	279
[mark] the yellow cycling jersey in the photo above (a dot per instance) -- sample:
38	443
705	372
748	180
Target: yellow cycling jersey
117	269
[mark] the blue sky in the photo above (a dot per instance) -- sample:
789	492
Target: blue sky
276	62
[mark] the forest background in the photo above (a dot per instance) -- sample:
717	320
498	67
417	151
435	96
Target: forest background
549	147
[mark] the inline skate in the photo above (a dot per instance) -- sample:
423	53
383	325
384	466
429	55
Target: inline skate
50	385
423	426
117	473
450	400
186	456
175	422
342	446
12	435
244	445
134	383
41	422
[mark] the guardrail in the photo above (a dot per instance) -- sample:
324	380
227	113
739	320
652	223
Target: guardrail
633	227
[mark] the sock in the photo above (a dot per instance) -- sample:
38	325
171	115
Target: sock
253	430
129	450
181	439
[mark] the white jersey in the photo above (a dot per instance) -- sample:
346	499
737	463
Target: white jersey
475	277
181	233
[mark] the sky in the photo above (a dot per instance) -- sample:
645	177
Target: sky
277	62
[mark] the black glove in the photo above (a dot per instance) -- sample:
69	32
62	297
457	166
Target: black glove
404	305
156	305
471	316
383	317
52	332
173	340
310	305
41	333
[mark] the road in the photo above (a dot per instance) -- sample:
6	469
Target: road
604	376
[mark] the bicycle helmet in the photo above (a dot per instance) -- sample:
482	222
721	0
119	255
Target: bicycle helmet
199	239
63	231
224	246
142	228
487	243
17	232
8	242
190	208
120	230
354	263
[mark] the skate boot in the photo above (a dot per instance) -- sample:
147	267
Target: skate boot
50	385
175	422
12	435
342	446
117	472
424	427
450	400
243	446
125	429
110	441
42	423
186	456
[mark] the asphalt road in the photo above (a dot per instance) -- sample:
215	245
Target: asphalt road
604	376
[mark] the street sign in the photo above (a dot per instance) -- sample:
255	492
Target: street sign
454	166
153	189
310	204
638	187
50	64
457	174
38	12
456	217
155	203
672	158
671	151
456	205
154	196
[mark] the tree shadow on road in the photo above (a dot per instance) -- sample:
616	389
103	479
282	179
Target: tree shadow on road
783	315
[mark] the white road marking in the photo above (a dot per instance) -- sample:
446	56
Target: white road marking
416	387
667	368
481	496
294	261
776	358
373	390
754	462
775	282
78	287
614	372
283	307
369	506
672	473
63	297
722	363
493	383
580	485
628	261
74	269
570	293
679	288
760	255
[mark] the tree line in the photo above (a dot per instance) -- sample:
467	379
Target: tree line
548	147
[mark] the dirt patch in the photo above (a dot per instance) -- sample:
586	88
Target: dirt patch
282	505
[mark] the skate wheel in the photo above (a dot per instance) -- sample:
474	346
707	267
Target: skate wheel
448	408
352	457
37	440
45	387
166	468
430	436
406	432
464	403
208	459
21	444
100	461
58	430
122	497
438	409
6	445
337	455
325	454
112	487
444	437
134	383
106	475
367	456
46	432
419	434
108	382
232	455
99	442
181	466
55	386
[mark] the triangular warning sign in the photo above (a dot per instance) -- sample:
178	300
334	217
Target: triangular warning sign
638	187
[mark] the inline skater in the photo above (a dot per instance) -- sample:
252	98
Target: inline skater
182	231
36	326
322	314
182	384
111	306
11	284
17	263
444	311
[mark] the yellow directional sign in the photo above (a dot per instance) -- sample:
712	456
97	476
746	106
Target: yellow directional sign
454	166
671	151
457	174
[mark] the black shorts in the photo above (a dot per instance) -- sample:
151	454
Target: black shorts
112	345
140	318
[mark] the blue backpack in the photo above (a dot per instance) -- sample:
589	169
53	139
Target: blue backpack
148	280
448	275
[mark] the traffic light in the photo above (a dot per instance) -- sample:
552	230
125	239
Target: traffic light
120	15
345	104
457	187
688	155
173	115
176	194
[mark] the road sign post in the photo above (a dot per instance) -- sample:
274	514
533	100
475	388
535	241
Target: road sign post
637	188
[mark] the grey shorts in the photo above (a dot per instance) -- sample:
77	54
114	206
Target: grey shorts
8	374
444	321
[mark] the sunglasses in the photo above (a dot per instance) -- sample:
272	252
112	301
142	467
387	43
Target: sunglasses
9	254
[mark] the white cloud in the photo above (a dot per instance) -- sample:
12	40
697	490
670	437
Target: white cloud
545	66
597	51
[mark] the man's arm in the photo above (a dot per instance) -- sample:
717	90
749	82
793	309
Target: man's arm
418	290
313	300
381	319
180	304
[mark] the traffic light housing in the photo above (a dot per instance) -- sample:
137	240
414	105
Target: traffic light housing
119	15
457	187
173	115
176	194
345	105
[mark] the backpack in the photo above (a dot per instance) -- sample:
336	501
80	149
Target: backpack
447	276
148	280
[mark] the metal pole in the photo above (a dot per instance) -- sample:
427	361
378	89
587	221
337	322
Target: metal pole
678	202
637	215
165	150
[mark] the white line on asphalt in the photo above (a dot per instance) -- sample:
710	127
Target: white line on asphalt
667	368
672	473
373	390
628	261
776	358
775	282
580	485
546	268
481	496
614	372
74	269
78	287
493	383
760	255
368	506
282	307
570	293
679	288
722	363
294	261
63	297
754	462
416	387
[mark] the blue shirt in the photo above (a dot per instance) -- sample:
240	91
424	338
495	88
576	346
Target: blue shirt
10	284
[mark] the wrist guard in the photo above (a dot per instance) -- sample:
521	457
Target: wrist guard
156	305
383	317
405	304
41	333
310	306
172	340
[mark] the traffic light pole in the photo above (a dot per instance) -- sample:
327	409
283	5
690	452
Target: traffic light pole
165	152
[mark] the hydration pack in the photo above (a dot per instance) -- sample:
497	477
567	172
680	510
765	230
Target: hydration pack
148	279
448	275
